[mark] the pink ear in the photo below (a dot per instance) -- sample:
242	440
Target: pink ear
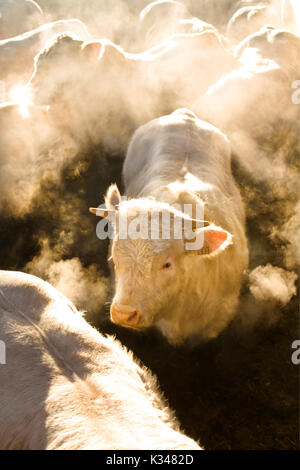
216	239
92	50
208	241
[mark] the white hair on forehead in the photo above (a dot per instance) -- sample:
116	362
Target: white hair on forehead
142	248
134	207
160	245
141	204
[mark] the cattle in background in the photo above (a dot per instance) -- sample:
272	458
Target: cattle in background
186	291
163	18
249	19
219	12
65	386
253	104
115	20
216	12
193	25
278	45
128	88
18	16
17	53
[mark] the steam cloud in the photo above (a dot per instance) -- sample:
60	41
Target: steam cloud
84	286
269	283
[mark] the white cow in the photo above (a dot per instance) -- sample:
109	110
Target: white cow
183	290
65	386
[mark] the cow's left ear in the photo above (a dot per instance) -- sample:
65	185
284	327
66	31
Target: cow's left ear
208	241
113	197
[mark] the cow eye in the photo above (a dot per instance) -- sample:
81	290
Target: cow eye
167	265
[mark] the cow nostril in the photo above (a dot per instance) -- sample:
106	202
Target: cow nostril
125	315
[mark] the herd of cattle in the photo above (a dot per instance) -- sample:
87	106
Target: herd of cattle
181	100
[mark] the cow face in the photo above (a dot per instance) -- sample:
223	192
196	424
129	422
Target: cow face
151	257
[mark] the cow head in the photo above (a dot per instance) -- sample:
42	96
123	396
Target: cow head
153	248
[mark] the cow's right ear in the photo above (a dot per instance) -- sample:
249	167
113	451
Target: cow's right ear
92	50
113	197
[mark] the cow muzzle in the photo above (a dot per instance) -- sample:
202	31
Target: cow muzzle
125	315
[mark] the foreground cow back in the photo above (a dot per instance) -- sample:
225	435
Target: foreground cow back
65	386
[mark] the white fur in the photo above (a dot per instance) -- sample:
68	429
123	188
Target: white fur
65	386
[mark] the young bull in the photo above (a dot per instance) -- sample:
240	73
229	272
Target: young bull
65	386
185	283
